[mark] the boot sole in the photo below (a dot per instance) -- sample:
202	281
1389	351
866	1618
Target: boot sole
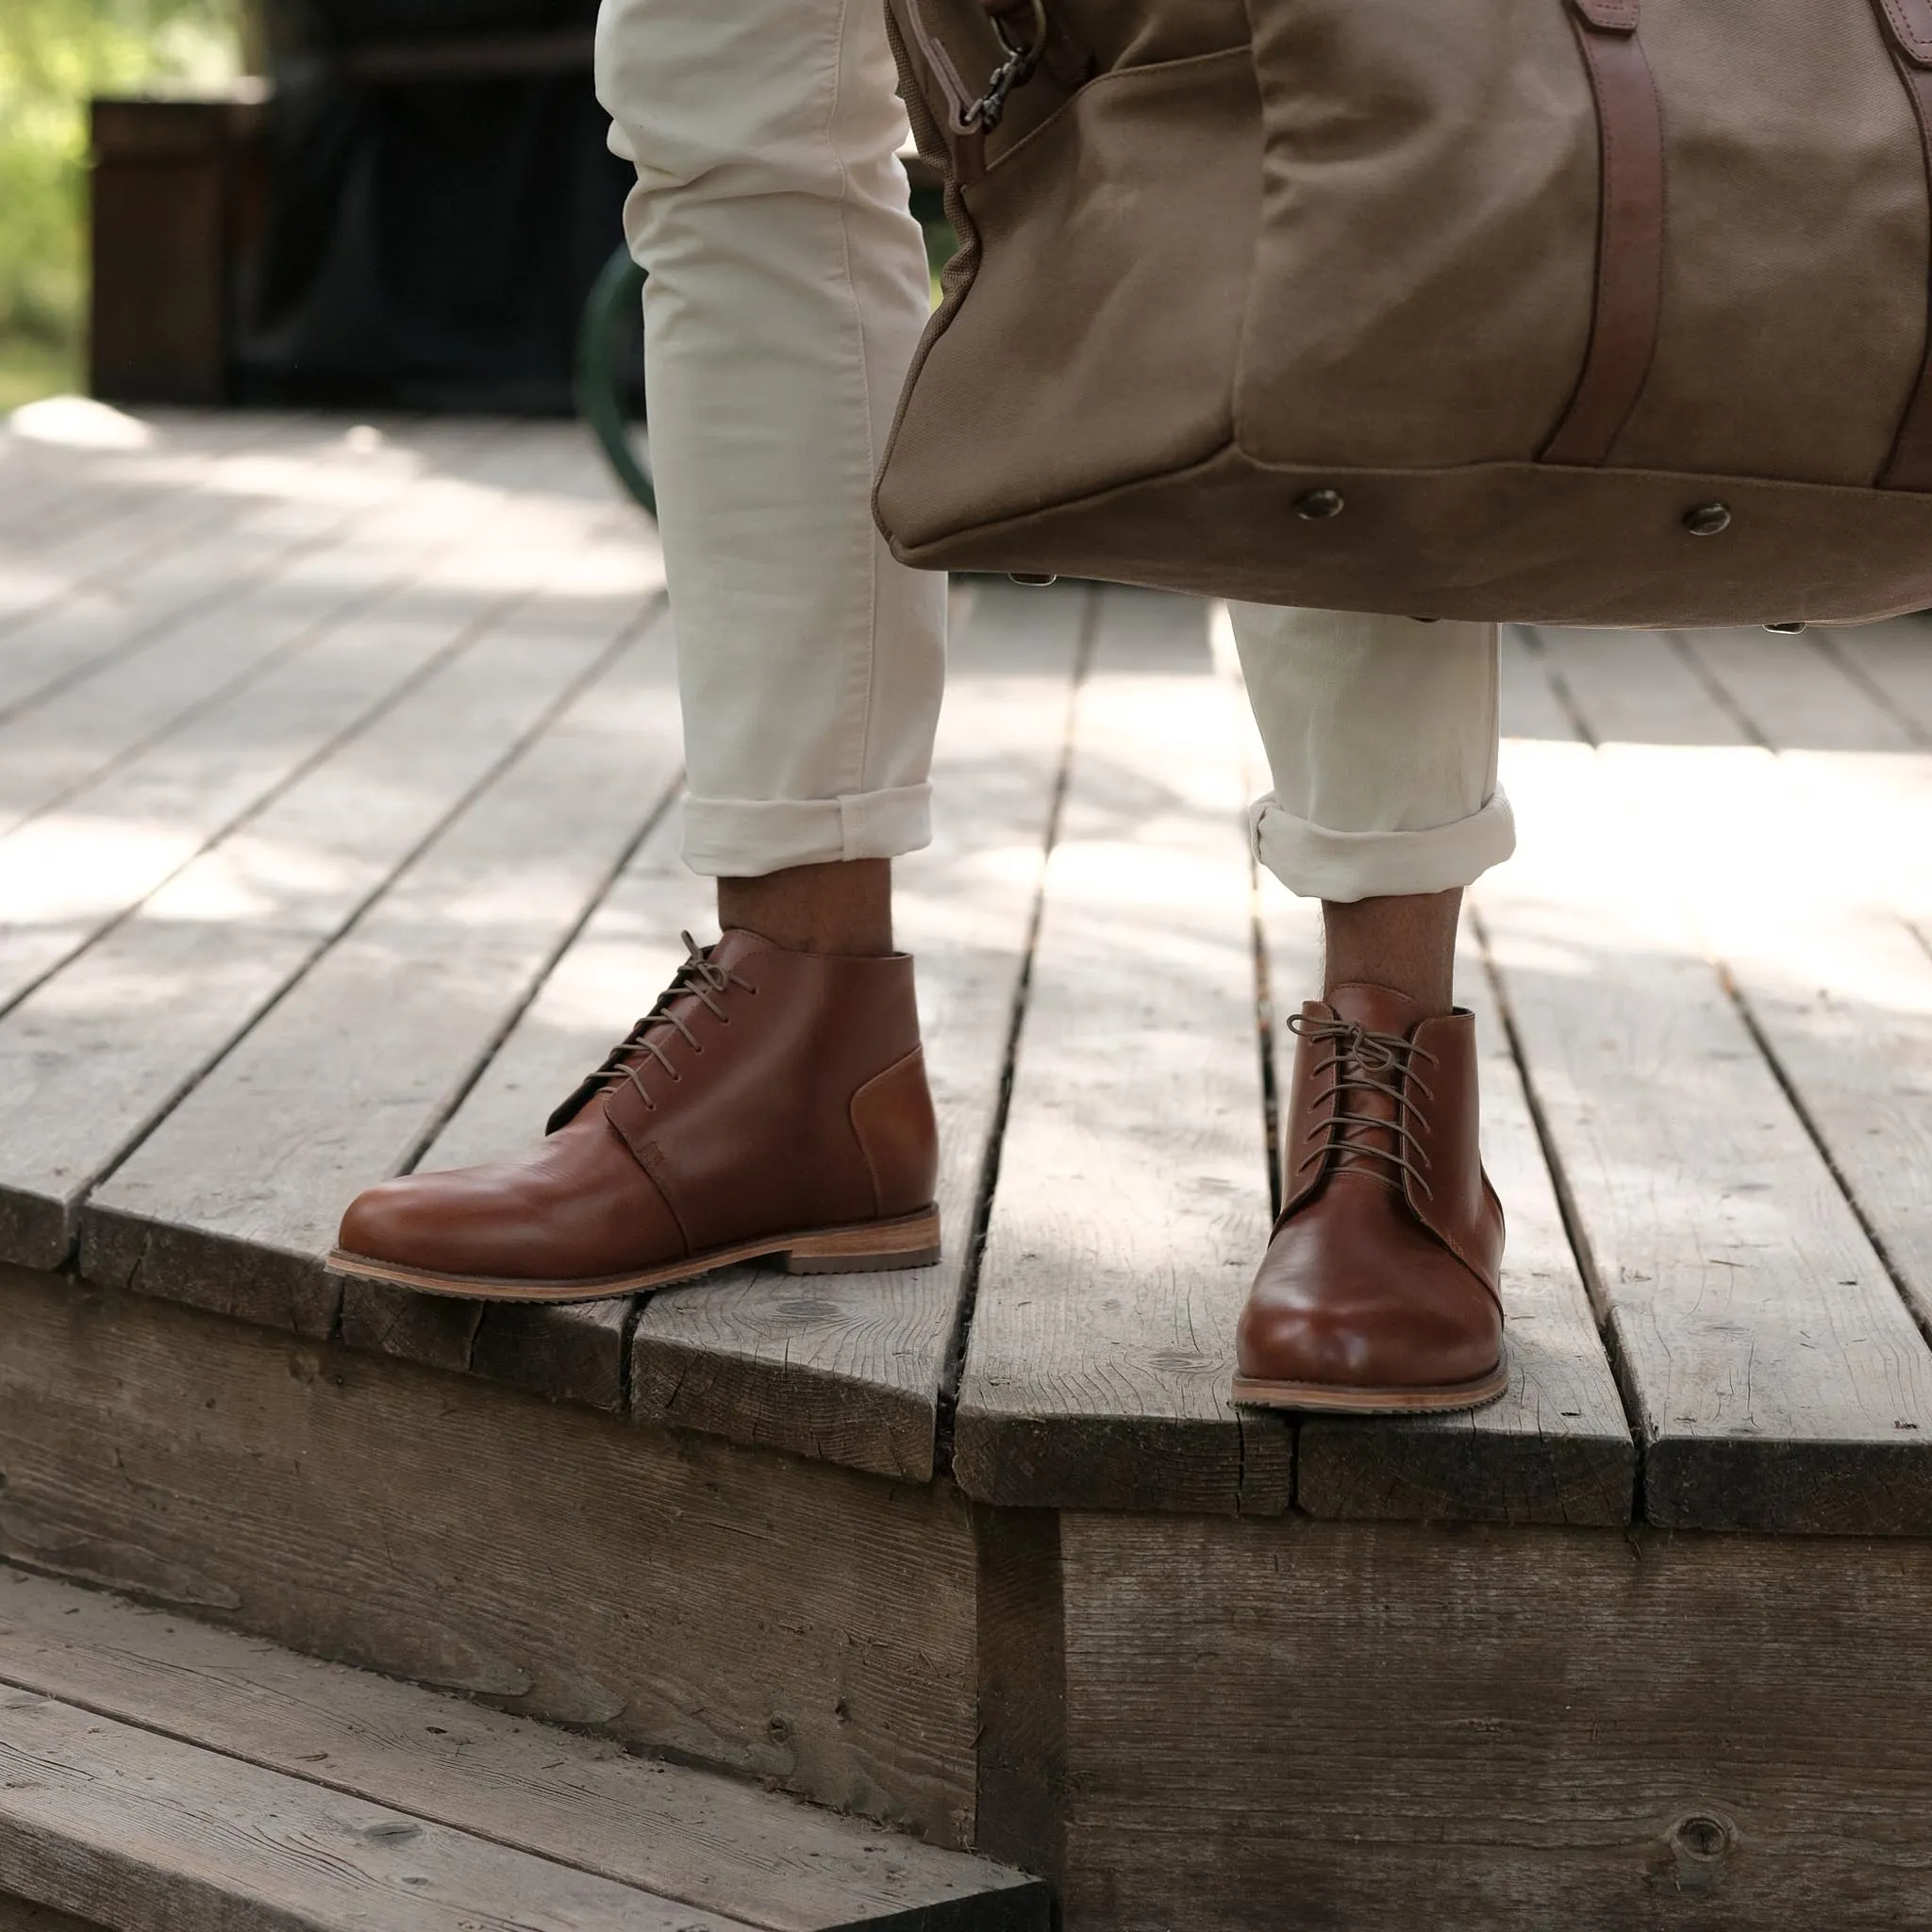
1335	1398
910	1242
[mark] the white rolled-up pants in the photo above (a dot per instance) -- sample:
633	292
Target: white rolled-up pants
787	288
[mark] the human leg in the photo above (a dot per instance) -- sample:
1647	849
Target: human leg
1378	1290
787	289
774	1101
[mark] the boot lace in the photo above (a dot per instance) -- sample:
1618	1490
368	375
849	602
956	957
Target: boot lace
705	980
1365	1062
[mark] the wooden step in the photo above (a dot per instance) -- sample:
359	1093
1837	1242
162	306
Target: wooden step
161	1776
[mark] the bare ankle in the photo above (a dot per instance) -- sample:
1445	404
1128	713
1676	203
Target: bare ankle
1406	943
845	908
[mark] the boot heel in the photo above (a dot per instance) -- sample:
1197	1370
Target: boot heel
911	1242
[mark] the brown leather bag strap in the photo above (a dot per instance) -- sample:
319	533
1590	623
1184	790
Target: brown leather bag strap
1631	233
1910	21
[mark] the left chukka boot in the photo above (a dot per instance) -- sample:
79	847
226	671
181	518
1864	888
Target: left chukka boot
771	1104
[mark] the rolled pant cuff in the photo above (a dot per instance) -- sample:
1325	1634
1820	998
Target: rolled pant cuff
746	837
1317	863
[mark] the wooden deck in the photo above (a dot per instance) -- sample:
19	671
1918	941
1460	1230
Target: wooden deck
339	781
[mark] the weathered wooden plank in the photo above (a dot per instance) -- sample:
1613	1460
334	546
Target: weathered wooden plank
86	601
1843	1002
1891	660
1637	686
151	1835
852	1367
305	500
67	874
1556	1448
1132	1205
1346	1724
1808	910
93	512
735	1607
1774	1378
1023	1688
97	1053
1794	692
712	1841
49	482
234	1199
51	749
21	1915
1534	703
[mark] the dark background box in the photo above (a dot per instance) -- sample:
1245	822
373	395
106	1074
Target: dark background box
410	216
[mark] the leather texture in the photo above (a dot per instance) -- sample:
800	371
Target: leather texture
789	1096
1382	1273
1630	237
1556	271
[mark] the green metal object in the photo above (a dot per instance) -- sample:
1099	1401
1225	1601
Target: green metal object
609	317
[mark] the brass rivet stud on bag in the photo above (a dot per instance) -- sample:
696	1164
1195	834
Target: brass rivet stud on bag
1709	519
1318	506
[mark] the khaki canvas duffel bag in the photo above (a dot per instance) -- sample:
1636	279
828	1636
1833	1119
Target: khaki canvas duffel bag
1570	311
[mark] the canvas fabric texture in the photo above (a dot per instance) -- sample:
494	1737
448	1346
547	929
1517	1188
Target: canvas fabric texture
1570	311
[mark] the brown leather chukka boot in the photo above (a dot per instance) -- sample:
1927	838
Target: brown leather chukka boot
772	1102
1379	1291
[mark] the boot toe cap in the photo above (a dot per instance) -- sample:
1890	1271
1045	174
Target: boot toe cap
1355	1349
1394	1311
395	1222
1308	1344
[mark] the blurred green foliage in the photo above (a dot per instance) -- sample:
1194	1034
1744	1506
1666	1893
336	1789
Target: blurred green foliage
54	55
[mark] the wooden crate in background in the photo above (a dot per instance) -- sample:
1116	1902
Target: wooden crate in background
177	195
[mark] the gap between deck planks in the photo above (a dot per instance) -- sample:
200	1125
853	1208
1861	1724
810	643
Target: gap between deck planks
695	1837
1777	1378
